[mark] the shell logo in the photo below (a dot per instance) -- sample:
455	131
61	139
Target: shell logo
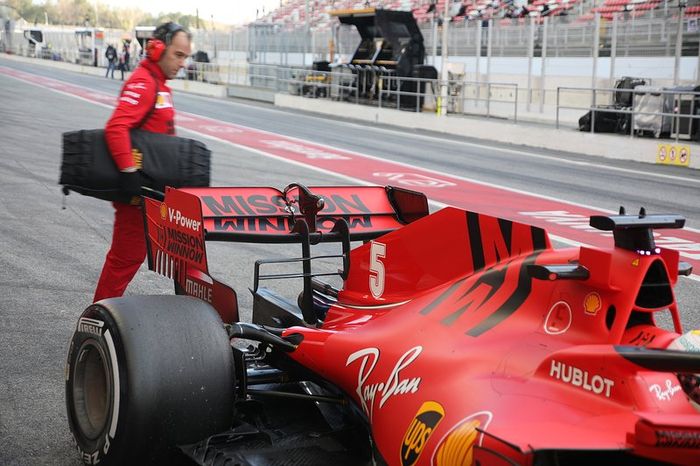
457	447
163	211
592	304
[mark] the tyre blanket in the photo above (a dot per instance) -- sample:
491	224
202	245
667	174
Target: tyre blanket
88	168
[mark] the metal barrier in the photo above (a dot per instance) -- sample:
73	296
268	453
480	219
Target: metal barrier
386	90
677	116
464	97
489	99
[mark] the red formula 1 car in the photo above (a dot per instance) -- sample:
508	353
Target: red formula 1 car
455	339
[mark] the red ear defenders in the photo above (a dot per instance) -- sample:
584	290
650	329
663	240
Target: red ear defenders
155	49
156	46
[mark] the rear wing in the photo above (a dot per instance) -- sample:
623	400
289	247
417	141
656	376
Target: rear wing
268	215
179	223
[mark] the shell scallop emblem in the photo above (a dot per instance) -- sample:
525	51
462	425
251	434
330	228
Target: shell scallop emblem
457	447
592	304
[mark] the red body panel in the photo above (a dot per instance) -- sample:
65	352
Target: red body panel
455	352
530	361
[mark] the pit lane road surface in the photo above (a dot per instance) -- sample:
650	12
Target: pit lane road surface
50	256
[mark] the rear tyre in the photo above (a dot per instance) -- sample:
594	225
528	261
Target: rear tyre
145	374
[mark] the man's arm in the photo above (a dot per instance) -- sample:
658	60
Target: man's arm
135	102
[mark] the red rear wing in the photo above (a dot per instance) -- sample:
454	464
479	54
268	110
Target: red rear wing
267	215
177	226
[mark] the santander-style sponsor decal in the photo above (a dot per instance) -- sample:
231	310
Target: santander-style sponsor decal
413	180
379	390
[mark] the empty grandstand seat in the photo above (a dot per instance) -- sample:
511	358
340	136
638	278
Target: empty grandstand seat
692	11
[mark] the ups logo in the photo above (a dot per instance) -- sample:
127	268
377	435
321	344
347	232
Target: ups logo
422	427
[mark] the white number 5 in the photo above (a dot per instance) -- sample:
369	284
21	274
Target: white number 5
377	252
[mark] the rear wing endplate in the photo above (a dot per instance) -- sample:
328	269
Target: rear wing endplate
179	223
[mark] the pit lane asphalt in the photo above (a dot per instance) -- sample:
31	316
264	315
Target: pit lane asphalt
50	257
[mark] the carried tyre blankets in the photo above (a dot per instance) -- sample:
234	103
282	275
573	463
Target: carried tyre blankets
88	168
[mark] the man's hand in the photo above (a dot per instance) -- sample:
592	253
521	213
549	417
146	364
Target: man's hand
130	182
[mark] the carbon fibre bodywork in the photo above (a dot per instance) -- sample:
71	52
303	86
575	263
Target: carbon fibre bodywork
455	338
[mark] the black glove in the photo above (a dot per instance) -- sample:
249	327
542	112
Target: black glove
130	183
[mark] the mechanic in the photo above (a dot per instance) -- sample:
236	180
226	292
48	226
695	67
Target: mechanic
145	102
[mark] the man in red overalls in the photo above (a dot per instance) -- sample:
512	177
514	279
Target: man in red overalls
145	102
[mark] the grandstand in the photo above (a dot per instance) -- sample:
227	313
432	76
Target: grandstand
293	13
537	55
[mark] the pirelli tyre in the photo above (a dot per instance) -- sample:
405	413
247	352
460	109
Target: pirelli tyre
145	374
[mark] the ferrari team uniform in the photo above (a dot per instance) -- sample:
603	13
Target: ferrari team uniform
145	102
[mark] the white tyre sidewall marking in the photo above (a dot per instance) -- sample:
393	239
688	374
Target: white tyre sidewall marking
116	388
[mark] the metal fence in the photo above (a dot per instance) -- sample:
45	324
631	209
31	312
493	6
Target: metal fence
675	116
655	34
489	99
266	56
652	111
652	35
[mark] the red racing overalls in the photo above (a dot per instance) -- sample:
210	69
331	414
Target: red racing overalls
146	102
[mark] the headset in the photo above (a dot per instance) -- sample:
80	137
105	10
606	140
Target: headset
162	37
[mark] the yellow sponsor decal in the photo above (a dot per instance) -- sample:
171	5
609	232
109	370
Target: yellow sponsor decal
138	158
673	154
592	303
458	447
422	427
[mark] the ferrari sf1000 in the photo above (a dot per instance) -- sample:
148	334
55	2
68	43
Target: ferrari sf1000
444	339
